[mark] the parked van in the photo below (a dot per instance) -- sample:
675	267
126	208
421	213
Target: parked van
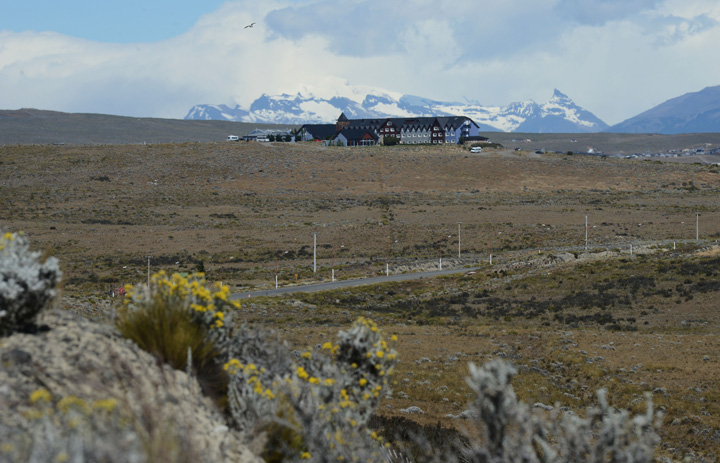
233	138
476	149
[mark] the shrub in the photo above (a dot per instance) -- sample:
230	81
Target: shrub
317	405
390	140
181	322
27	283
72	429
513	433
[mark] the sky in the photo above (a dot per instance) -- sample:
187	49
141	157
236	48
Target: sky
158	58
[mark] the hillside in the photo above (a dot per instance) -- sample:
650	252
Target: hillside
34	126
694	112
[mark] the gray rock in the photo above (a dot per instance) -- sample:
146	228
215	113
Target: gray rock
412	410
100	364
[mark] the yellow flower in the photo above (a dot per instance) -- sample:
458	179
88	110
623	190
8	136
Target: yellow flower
198	307
328	345
107	404
40	394
380	354
393	338
232	366
313	380
305	456
306	355
363	381
33	414
302	374
69	402
329	382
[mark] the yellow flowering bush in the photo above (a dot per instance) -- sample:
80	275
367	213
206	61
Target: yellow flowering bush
182	321
366	361
326	396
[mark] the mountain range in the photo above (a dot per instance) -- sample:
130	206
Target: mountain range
697	112
558	114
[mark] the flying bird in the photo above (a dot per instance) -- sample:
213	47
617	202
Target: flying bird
249	25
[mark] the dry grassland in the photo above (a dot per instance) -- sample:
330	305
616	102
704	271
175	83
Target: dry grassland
572	320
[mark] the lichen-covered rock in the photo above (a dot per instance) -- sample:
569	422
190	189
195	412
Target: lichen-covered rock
71	362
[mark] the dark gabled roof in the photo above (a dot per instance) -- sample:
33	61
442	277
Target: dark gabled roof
407	123
342	118
357	133
319	131
366	123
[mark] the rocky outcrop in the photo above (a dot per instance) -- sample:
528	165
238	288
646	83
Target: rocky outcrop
70	356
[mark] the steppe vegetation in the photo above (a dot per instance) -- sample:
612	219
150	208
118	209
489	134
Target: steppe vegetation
571	320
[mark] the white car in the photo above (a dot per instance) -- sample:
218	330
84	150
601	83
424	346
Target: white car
476	149
233	138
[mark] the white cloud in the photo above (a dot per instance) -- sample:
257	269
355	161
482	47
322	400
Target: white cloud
615	58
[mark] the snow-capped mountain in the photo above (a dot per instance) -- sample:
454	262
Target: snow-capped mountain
558	114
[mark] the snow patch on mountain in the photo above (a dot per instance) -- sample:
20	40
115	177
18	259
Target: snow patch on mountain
558	114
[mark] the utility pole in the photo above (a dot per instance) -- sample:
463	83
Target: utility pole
315	254
148	273
459	239
492	237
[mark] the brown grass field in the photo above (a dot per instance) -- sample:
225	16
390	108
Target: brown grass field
572	320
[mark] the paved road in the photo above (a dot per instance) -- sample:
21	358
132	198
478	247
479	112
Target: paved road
350	283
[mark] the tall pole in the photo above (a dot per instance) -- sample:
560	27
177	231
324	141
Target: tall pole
440	252
492	238
315	254
459	239
148	272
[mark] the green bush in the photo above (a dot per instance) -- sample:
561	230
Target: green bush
181	321
390	140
